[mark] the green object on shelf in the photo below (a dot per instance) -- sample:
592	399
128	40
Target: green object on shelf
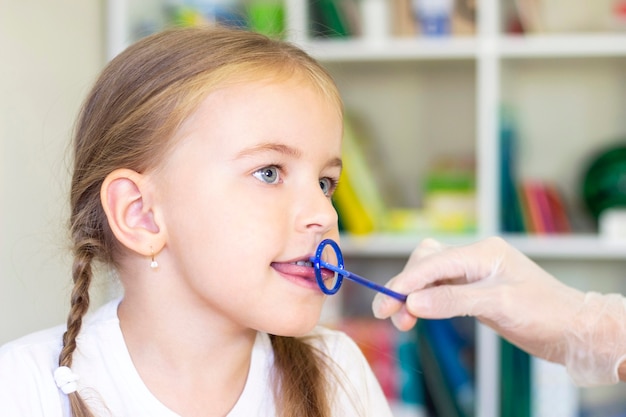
450	195
515	387
267	17
327	19
604	180
450	181
185	16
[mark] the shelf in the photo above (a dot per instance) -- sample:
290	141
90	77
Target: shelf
459	48
588	247
562	46
563	247
392	245
362	50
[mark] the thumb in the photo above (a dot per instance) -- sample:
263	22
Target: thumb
445	301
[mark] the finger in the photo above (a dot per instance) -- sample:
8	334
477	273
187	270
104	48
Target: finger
384	306
428	246
447	301
434	270
403	320
459	265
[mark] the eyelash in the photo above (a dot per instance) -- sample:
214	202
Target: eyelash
259	174
333	183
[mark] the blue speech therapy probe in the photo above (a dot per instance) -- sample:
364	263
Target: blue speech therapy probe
318	265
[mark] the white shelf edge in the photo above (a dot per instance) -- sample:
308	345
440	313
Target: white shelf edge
557	247
357	50
458	48
582	246
562	46
392	245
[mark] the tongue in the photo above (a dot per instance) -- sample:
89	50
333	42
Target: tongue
303	271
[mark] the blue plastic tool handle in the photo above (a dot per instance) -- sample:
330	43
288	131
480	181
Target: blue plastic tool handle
318	264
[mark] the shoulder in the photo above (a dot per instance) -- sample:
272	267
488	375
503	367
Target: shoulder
26	374
44	346
36	348
27	367
363	393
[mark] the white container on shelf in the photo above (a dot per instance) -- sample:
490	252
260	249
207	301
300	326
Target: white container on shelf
375	20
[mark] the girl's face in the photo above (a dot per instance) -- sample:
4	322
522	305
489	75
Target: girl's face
246	195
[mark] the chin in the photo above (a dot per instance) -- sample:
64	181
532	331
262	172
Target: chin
294	325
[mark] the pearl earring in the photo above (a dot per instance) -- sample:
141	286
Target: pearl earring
153	263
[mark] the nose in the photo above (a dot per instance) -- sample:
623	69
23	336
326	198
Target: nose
316	212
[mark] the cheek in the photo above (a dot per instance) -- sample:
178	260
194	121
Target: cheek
232	230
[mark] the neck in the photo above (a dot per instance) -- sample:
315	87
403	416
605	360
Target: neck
206	356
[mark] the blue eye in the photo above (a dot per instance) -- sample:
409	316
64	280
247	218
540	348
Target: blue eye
269	174
328	186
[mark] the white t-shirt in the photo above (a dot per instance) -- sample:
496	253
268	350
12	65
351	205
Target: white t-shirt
111	385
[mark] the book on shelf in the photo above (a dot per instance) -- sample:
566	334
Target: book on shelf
410	392
543	208
365	196
358	199
515	385
558	210
526	205
531	204
403	19
332	18
511	216
447	374
408	18
533	387
263	16
423	372
393	357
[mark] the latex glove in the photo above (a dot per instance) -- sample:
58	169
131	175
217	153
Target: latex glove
504	289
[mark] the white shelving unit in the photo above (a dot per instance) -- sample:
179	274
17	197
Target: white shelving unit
428	95
488	59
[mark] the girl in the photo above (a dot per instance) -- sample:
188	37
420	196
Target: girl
204	164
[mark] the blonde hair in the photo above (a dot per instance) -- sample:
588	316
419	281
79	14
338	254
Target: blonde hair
128	121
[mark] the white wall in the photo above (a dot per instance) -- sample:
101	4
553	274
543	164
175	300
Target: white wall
50	53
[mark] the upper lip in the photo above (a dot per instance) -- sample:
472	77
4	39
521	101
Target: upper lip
302	260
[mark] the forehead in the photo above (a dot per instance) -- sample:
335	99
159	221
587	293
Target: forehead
302	75
273	107
274	87
248	121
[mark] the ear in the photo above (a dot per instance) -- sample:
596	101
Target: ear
125	196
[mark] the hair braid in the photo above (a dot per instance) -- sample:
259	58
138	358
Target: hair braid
301	378
78	308
82	276
88	230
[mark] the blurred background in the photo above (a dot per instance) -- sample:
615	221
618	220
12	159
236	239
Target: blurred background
51	52
464	119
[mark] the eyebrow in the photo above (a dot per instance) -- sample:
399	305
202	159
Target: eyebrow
283	149
270	147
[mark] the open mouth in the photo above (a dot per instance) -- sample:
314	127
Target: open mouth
302	269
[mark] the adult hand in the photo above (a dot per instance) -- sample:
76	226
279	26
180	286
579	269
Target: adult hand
507	291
